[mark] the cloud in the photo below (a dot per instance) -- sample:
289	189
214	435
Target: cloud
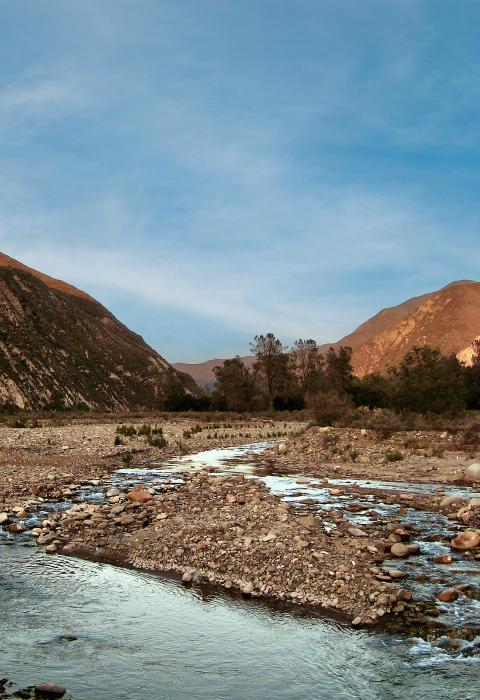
261	172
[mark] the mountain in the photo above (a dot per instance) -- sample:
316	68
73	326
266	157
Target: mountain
59	346
202	372
448	319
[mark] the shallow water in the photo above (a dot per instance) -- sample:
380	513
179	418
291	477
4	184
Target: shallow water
145	636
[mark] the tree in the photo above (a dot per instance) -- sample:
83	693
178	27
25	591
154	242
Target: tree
270	362
429	382
235	389
307	364
338	370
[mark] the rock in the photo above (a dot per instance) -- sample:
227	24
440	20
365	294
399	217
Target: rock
3	518
357	621
448	595
400	550
363	432
139	495
51	549
248	588
466	540
282	448
335	492
49	690
450	500
187	577
16	528
112	492
68	548
442	559
356	532
395	573
126	519
472	473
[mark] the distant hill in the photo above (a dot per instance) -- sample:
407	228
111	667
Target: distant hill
448	319
59	346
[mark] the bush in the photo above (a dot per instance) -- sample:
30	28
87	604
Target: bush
126	430
393	456
332	408
159	441
118	440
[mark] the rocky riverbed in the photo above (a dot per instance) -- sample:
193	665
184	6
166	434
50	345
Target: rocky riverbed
316	544
41	457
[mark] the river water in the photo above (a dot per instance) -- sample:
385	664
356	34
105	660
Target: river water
139	635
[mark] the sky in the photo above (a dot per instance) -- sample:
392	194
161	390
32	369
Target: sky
214	169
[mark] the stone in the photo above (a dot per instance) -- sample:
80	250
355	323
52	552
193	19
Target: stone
356	532
51	549
112	492
472	473
139	495
282	448
400	550
450	500
126	519
49	690
442	559
248	588
16	528
395	573
3	518
187	577
68	548
448	595
466	540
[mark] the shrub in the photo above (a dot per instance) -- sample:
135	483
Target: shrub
127	457
332	408
118	440
393	456
126	430
159	441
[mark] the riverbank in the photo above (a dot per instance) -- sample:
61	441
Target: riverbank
414	456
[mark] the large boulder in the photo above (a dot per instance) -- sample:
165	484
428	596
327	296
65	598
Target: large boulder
472	473
139	495
466	540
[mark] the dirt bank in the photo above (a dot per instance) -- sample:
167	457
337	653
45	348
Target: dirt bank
427	456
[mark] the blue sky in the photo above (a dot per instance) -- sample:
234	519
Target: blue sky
212	169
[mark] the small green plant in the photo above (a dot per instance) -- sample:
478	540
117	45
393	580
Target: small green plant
158	441
126	430
145	430
187	434
118	440
393	456
354	455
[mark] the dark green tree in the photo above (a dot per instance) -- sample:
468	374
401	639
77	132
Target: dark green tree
235	388
429	382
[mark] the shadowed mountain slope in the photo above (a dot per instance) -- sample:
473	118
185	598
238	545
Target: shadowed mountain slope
58	346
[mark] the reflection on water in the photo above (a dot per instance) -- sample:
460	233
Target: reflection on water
142	636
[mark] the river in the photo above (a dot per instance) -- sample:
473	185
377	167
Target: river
105	632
